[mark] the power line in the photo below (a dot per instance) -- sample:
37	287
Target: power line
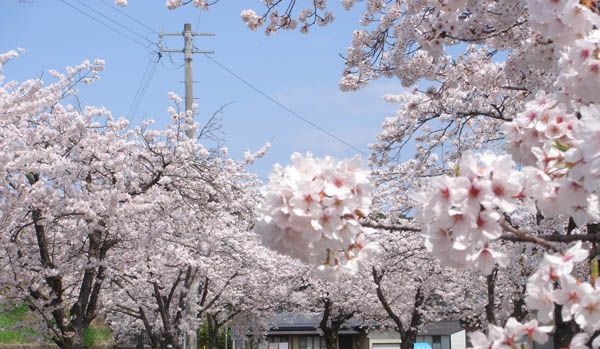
128	16
137	92
104	24
150	69
162	62
273	100
142	88
198	21
115	22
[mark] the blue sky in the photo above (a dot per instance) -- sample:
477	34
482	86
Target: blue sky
300	71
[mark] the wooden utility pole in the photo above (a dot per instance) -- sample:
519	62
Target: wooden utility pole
188	51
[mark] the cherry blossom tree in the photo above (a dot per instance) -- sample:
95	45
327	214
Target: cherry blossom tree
259	285
60	199
500	104
335	303
211	271
413	289
408	285
84	198
487	75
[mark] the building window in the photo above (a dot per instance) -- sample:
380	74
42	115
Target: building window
436	342
312	342
280	342
278	339
306	343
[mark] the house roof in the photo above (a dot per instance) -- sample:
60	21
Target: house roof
294	321
287	323
440	328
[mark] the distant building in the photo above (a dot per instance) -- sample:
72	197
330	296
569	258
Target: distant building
443	335
301	332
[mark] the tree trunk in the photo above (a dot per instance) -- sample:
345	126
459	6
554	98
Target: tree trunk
78	339
69	333
564	330
329	326
213	332
408	335
408	339
139	340
70	338
169	342
490	314
73	342
331	339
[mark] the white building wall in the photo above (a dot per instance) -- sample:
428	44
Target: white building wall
458	340
389	339
384	334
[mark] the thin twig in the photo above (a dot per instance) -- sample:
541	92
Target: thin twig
517	235
388	226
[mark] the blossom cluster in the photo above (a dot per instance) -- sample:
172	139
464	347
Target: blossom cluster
252	20
553	283
554	137
580	68
560	149
562	21
544	120
511	335
173	4
580	300
311	211
462	214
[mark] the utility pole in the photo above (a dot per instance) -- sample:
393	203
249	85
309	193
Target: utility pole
188	51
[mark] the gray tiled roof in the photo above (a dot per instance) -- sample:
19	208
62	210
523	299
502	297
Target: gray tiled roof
440	328
295	322
286	323
288	320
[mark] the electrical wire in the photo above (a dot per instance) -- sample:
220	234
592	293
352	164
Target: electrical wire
128	16
104	24
139	89
115	22
292	112
198	21
142	90
173	65
151	68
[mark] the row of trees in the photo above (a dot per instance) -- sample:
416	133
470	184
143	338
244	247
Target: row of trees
502	111
90	206
154	230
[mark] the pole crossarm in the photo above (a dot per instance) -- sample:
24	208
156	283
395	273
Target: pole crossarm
192	33
188	51
182	51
